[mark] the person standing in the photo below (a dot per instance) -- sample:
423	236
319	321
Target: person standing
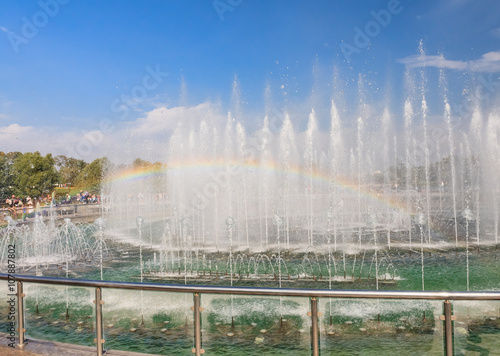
12	207
24	211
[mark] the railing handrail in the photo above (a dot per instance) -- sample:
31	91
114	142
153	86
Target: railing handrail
285	292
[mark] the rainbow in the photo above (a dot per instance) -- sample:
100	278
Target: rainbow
134	174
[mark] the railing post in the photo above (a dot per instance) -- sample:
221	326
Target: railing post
314	326
448	330
20	314
98	321
197	309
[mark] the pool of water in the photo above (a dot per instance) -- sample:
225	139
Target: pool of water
162	323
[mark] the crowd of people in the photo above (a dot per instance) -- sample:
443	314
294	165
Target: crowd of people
15	203
15	206
86	197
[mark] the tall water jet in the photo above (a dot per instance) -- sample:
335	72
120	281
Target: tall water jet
309	154
359	161
493	151
216	195
468	215
228	164
476	128
360	152
424	112
386	128
408	116
451	144
287	154
265	160
335	150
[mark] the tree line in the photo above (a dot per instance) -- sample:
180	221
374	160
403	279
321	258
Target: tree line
32	174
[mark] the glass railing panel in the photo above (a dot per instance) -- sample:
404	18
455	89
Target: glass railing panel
380	327
158	323
477	327
254	325
8	314
60	313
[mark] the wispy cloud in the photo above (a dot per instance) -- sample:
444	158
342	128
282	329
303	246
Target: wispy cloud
488	63
496	32
3	29
439	8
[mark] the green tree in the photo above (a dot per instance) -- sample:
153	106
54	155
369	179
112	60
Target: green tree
5	180
156	178
33	174
91	177
69	168
6	176
140	163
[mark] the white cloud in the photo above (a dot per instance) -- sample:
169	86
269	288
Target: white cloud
488	63
418	61
162	120
146	137
15	137
14	129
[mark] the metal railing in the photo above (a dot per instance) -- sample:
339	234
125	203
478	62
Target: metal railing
313	294
70	210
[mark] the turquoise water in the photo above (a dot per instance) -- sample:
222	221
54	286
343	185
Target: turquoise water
162	323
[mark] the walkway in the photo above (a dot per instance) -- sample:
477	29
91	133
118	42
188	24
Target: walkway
50	348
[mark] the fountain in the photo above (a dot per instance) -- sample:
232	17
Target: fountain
355	207
339	196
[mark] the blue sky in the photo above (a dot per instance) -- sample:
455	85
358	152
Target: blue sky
83	56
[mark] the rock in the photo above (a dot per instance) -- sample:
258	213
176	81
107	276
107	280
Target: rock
461	331
259	340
